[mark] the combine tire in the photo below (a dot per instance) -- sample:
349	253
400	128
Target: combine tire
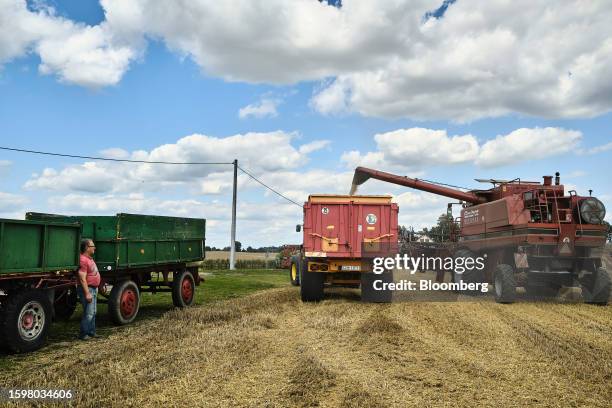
124	302
294	271
311	284
65	304
471	276
183	289
24	324
505	284
598	293
369	294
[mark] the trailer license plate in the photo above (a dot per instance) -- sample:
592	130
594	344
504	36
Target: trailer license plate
351	267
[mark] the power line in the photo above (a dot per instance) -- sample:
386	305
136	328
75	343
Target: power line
268	187
75	156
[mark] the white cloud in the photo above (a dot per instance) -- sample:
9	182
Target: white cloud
11	202
266	108
115	153
597	149
90	56
257	152
314	146
481	59
418	148
527	144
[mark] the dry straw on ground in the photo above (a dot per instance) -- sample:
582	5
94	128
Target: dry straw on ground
271	350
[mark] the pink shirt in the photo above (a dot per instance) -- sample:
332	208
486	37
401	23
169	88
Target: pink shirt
89	266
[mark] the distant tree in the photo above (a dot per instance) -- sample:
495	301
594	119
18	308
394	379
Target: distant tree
441	231
237	246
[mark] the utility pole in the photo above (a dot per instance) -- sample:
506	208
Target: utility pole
232	262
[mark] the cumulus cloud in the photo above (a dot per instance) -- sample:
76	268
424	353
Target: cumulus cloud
527	144
417	148
386	59
91	56
115	153
314	146
258	152
266	108
597	149
10	203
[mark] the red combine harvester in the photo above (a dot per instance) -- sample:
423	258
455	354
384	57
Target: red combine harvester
533	235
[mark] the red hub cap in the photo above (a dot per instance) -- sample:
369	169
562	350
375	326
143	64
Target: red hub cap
27	322
128	303
186	290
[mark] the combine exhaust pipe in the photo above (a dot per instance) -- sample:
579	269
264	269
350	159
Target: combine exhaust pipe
362	174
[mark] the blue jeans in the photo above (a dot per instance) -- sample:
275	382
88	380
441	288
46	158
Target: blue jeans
88	322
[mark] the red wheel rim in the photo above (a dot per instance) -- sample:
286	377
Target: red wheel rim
186	290
128	303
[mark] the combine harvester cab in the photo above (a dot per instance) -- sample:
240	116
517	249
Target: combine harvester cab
341	235
533	235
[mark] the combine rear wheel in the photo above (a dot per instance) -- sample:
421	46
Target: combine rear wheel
25	321
598	291
311	284
183	289
124	302
505	284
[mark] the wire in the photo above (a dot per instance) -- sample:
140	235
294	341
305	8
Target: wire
74	156
268	187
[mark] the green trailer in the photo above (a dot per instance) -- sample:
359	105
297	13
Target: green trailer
134	253
139	253
37	264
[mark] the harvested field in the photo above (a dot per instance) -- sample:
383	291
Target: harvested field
270	349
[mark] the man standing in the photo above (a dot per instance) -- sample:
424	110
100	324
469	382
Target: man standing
89	280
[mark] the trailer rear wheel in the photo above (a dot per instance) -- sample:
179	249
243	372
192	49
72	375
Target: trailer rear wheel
65	303
311	284
25	323
124	302
183	289
505	284
294	271
598	292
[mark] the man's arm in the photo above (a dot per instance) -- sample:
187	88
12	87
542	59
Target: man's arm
84	285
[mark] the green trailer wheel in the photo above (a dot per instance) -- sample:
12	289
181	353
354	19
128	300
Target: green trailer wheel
124	302
183	289
25	321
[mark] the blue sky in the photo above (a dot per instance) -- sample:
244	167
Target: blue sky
166	93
